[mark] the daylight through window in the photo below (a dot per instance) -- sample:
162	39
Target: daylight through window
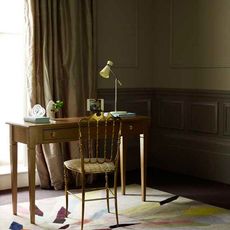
12	92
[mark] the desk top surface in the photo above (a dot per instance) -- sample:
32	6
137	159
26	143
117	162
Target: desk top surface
71	121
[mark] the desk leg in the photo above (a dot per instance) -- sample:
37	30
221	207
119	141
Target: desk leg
31	176
123	150
13	165
143	154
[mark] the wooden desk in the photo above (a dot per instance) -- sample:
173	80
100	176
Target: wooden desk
64	130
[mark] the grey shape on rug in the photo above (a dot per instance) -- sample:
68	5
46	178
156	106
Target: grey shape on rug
168	200
122	225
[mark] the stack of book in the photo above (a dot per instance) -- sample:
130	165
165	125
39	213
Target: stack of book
33	119
122	114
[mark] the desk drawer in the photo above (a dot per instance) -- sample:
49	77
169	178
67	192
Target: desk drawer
132	128
60	135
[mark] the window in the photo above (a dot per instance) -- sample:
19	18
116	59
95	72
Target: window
12	87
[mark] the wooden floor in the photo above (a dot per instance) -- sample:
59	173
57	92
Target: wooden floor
210	192
206	191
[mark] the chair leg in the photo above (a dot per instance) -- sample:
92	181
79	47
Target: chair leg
83	200
107	191
66	191
115	196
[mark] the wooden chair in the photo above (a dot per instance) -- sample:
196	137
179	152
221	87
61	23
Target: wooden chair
99	143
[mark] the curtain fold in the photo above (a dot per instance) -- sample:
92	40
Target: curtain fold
60	65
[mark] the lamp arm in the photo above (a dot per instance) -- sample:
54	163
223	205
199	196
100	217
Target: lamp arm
116	80
114	75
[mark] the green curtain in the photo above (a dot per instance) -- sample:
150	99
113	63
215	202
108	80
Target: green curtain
60	64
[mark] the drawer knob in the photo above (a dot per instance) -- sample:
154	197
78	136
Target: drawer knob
53	134
130	127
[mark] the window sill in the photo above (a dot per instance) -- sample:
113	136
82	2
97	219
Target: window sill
22	177
5	169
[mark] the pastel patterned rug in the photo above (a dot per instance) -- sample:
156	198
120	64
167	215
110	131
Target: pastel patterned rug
161	211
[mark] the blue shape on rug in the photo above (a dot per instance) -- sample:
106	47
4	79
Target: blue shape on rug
16	226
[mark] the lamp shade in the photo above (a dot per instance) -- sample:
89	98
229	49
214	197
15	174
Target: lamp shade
106	70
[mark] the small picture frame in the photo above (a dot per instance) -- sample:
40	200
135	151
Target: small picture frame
95	105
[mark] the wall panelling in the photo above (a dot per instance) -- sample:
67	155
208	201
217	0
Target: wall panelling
190	129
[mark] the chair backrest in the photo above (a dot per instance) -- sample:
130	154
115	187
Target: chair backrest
99	138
